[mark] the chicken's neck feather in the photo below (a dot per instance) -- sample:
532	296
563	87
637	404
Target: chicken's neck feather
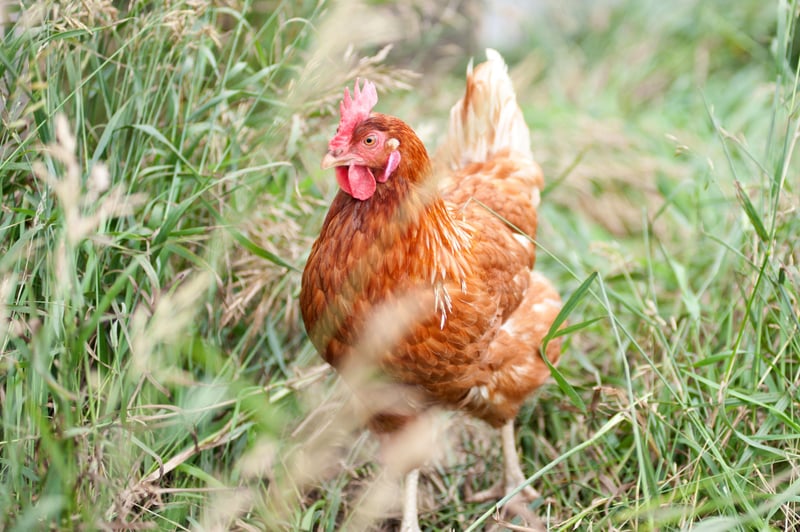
410	231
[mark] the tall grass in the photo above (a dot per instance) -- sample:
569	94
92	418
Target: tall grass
133	146
159	184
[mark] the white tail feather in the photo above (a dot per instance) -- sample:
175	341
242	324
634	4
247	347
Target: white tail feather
487	119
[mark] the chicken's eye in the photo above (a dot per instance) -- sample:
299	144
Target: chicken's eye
370	140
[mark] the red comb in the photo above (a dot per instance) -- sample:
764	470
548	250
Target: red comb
353	110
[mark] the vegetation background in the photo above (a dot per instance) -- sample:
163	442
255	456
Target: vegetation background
160	185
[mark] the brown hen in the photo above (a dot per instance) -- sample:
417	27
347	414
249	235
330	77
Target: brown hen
422	273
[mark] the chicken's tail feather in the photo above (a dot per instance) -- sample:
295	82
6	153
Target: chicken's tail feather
487	119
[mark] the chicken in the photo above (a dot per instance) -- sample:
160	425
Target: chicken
422	271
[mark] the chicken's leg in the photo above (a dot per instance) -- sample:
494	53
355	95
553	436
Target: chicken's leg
512	478
512	472
410	521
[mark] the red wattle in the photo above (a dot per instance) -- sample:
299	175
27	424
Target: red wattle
356	180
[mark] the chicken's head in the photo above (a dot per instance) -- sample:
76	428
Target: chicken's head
362	151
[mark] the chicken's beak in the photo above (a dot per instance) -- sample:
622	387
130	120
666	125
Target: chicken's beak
330	160
340	158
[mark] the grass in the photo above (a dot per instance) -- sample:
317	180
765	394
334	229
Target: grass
160	190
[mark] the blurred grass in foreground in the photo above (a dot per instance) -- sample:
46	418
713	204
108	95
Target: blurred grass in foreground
159	183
